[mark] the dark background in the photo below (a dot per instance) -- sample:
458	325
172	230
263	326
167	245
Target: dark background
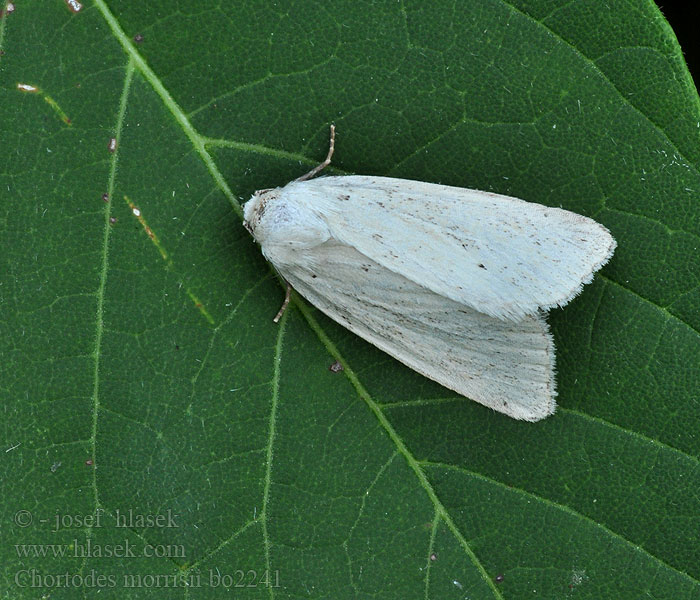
684	17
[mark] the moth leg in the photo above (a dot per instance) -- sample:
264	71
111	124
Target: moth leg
318	168
284	304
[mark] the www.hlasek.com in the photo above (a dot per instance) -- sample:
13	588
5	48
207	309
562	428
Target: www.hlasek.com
90	549
33	578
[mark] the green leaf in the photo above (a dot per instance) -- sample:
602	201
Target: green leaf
141	373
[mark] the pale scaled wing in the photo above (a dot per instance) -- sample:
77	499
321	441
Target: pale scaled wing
505	365
499	255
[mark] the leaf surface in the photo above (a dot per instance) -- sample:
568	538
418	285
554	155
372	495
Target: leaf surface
142	375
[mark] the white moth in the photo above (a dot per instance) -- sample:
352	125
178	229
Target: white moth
450	281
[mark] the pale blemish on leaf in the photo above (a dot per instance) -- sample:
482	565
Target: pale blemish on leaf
74	5
33	89
164	255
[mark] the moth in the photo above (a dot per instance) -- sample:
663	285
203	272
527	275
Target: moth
453	282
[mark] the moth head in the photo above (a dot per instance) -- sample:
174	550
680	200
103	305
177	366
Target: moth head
281	222
254	209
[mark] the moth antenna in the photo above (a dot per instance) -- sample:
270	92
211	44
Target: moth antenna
318	168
